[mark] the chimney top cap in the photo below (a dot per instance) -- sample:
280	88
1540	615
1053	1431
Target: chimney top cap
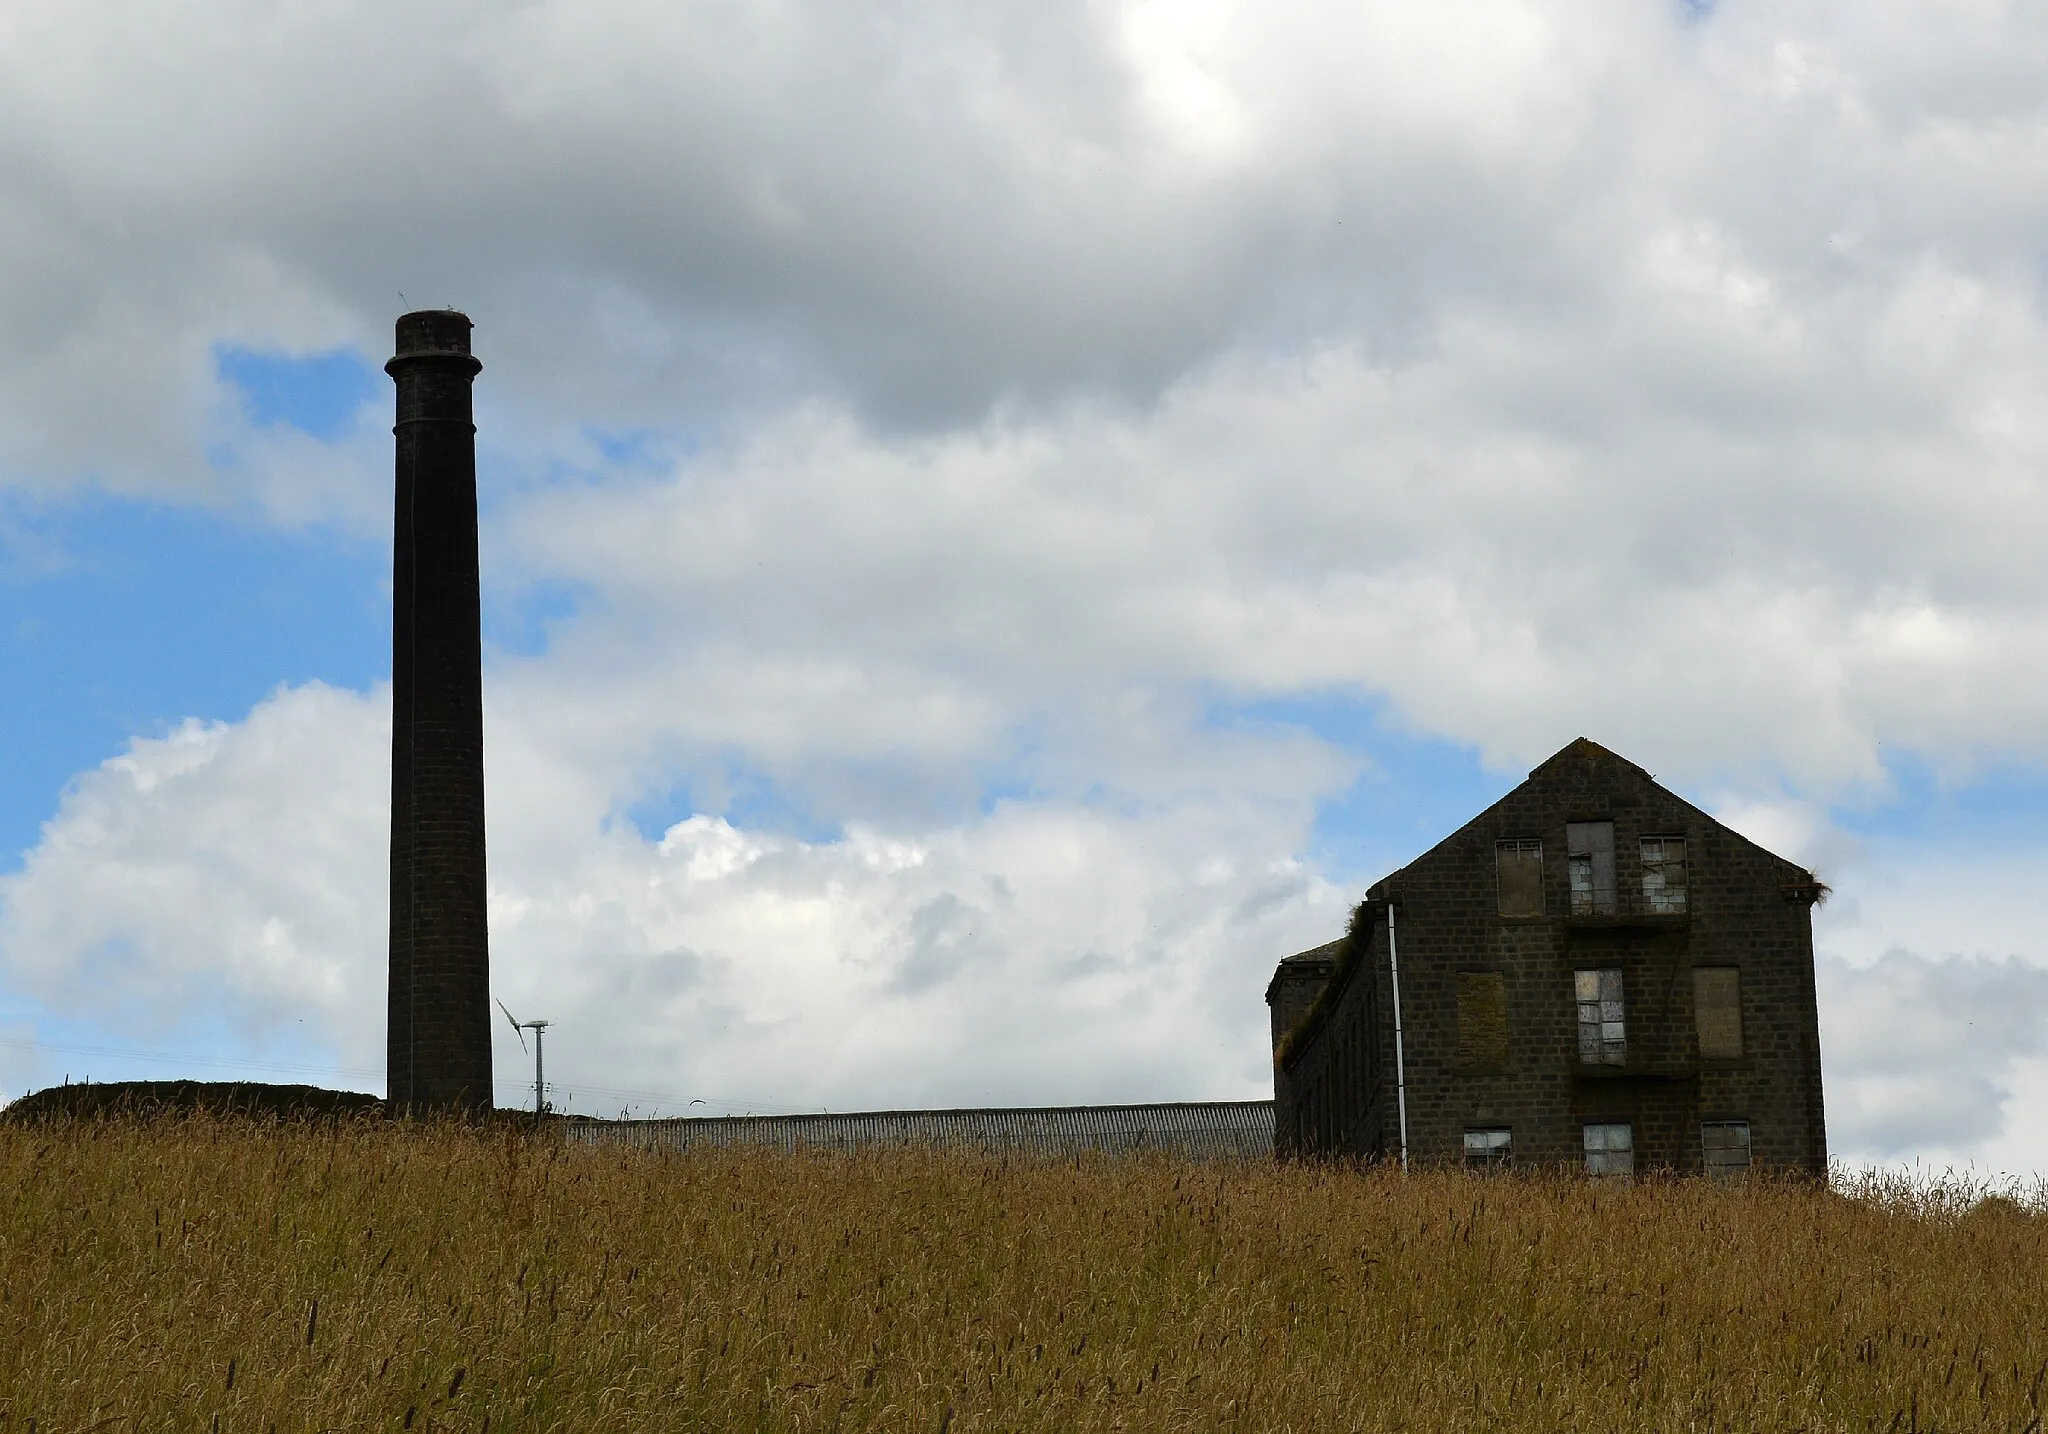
433	331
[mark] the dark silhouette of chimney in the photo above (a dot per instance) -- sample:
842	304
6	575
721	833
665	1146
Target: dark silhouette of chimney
438	1056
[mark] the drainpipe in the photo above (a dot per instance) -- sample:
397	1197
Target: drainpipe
1400	1059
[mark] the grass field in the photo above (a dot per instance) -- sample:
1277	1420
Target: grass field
202	1274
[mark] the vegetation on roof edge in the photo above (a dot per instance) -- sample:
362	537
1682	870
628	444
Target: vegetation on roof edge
1357	939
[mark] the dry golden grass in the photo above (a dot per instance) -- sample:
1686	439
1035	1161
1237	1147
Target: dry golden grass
211	1274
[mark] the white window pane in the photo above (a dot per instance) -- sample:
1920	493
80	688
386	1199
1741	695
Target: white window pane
1610	985
1589	985
1493	1146
1614	1135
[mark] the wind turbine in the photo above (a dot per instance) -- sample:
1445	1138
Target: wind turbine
519	1029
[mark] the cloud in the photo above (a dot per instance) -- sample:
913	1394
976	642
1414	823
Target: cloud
1040	951
217	871
671	214
1921	1055
1532	376
1279	527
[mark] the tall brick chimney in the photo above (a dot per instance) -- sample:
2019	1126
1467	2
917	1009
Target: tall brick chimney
438	1055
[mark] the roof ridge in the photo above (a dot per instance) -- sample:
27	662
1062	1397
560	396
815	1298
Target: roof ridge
1585	749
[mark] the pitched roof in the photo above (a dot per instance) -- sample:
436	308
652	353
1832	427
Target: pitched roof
1239	1129
1585	749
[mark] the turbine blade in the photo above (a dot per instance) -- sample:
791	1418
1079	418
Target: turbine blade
515	1026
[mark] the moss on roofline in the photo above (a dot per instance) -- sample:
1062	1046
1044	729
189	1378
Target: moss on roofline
1350	953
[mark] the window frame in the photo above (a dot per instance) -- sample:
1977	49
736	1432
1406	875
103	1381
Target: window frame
1656	889
1599	1153
1599	893
1608	1021
1483	1045
1727	1170
1740	1050
1495	1147
1519	847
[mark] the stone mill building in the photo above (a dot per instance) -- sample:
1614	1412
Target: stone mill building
1591	972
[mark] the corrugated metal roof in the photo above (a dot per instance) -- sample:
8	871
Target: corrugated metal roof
1206	1129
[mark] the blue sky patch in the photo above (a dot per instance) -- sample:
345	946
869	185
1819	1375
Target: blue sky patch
753	802
1414	791
39	1048
1996	807
151	614
318	394
521	621
641	448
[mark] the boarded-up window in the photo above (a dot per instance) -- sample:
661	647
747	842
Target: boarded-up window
1603	1029
1610	1149
1494	1145
1482	1021
1590	847
1518	867
1724	1144
1664	875
1717	1011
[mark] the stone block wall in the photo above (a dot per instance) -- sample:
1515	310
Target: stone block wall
1744	909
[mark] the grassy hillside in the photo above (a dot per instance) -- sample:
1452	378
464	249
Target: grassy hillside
184	1097
372	1275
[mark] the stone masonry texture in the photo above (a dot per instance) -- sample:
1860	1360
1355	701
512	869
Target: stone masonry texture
438	1054
1745	911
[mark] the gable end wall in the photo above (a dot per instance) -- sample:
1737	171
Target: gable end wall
1447	922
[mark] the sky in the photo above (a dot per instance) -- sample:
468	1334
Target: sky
999	520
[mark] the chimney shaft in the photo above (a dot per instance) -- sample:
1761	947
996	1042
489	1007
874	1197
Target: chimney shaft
438	1053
